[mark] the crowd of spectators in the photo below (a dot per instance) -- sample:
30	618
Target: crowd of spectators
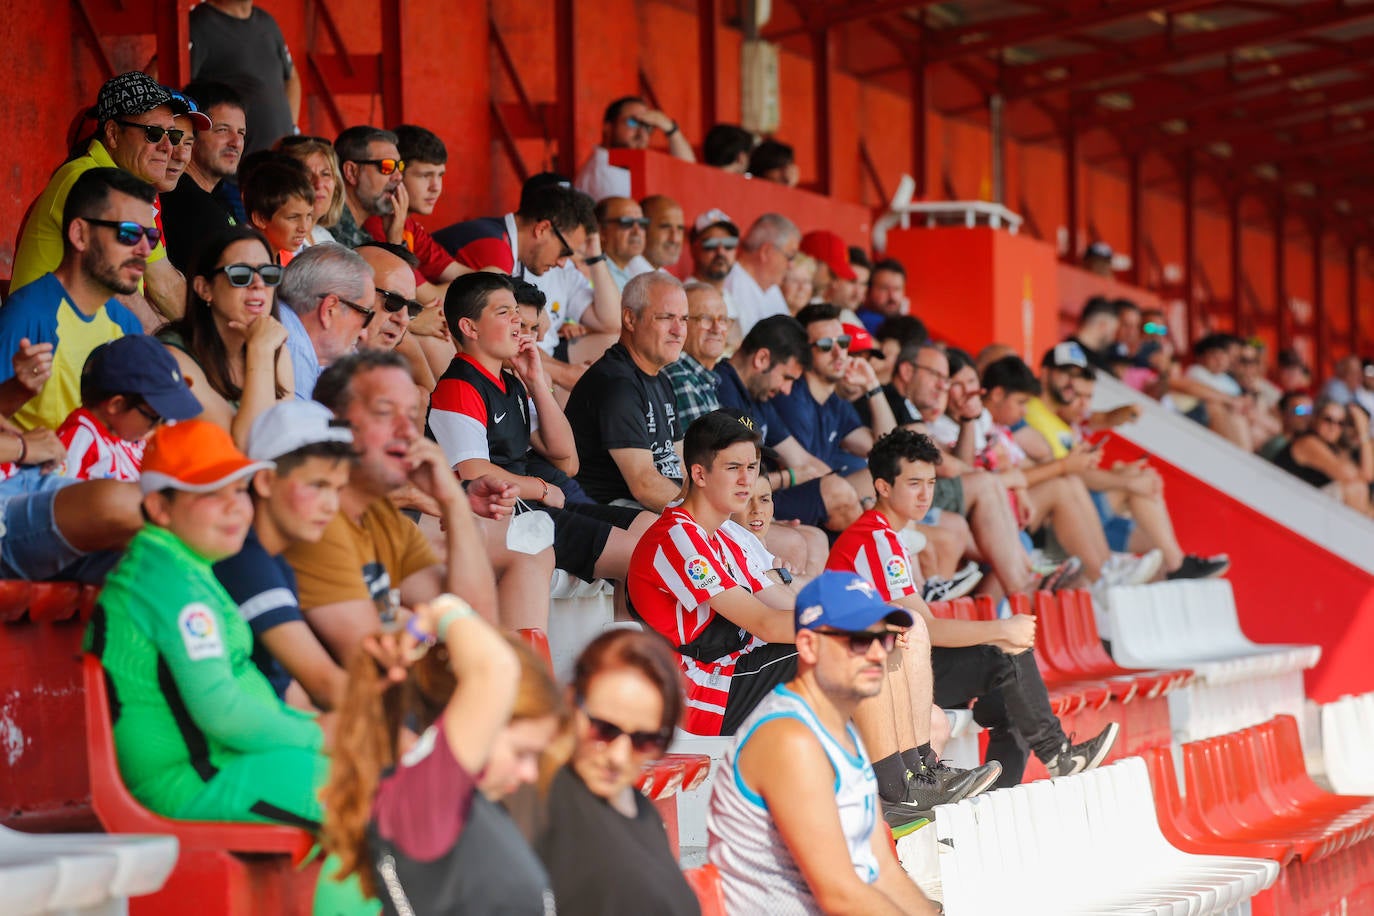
356	448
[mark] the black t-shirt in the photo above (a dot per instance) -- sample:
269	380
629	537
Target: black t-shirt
602	863
190	216
903	410
249	55
616	405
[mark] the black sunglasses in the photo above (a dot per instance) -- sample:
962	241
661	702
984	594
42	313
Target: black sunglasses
567	249
860	641
385	166
729	244
394	302
643	742
149	414
129	232
368	314
629	222
154	133
241	275
826	344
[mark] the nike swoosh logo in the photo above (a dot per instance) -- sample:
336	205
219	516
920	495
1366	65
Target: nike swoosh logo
499	417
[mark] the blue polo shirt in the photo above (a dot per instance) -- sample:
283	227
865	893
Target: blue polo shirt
732	393
820	428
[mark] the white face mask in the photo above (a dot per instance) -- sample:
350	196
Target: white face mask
530	531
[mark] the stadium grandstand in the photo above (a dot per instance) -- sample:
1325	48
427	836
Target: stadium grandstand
964	410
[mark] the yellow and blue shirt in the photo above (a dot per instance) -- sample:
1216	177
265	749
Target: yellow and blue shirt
1044	421
43	312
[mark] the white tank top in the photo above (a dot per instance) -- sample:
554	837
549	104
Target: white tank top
758	874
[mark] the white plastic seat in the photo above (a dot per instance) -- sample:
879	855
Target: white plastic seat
1347	728
83	879
142	863
26	885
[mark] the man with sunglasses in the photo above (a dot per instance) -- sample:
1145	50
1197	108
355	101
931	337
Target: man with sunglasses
327	293
370	168
628	123
395	303
804	789
623	228
106	225
136	133
771	243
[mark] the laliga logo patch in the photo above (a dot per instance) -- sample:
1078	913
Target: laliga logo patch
700	573
199	632
810	615
896	571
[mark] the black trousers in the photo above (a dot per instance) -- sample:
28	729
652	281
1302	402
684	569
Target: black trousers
756	674
1010	702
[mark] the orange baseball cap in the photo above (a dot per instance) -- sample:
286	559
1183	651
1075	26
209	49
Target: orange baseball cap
196	456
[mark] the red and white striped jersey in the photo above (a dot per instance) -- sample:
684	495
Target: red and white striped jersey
95	453
871	548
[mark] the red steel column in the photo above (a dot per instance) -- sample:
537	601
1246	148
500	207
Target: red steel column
565	66
1319	299
1135	214
822	57
1071	190
1189	229
708	16
1238	318
1281	274
919	102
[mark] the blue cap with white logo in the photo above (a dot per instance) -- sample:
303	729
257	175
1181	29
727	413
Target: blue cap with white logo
845	601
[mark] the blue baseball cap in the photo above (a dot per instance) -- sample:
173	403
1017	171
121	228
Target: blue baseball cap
845	601
139	364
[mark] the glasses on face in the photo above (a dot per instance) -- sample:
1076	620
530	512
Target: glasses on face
720	321
642	742
826	344
729	244
149	414
1154	328
629	222
567	249
128	232
394	302
634	123
791	255
241	275
365	312
1334	421
860	641
939	376
154	133
385	166
1302	410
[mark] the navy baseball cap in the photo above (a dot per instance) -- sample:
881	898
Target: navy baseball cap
845	601
139	364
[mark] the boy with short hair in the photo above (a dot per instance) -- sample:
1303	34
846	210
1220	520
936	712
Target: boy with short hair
198	731
292	503
985	660
129	386
280	202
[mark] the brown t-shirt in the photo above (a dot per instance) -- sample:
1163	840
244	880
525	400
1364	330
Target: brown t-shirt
360	562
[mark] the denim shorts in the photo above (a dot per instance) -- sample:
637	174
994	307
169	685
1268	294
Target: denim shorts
31	546
1118	528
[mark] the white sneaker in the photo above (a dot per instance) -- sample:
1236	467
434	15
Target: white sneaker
1131	569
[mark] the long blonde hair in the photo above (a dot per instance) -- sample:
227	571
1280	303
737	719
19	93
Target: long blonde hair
368	732
303	149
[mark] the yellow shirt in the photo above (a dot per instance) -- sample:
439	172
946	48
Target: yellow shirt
1044	421
40	242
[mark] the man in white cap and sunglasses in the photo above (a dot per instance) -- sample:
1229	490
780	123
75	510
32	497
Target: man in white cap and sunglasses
832	853
136	131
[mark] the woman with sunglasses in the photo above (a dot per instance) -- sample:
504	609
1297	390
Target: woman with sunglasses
229	343
1322	457
422	827
317	155
604	845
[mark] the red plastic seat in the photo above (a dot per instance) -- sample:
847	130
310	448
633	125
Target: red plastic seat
50	602
14	599
538	641
90	594
229	869
941	609
705	883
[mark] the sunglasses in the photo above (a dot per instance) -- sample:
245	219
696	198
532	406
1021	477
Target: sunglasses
1302	410
629	222
826	344
643	742
394	302
385	166
128	232
567	249
154	133
1155	328
636	124
149	414
241	275
729	244
368	314
861	641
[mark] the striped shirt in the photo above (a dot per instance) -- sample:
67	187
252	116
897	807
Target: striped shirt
95	453
871	548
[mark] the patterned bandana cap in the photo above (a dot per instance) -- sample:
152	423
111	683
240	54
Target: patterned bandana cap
129	93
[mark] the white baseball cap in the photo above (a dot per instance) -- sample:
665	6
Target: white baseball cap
294	424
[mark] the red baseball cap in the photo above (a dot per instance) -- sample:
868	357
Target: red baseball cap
828	248
860	341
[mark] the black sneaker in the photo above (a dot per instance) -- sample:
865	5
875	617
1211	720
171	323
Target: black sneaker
1062	576
979	779
1079	758
1196	567
903	817
963	582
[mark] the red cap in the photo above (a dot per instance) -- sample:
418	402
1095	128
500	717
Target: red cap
828	248
860	341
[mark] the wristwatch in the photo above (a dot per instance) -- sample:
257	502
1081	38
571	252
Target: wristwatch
594	259
783	574
670	131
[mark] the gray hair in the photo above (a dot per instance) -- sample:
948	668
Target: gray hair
323	270
639	292
352	144
770	229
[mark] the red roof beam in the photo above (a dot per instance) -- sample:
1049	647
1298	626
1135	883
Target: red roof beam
835	14
1159	51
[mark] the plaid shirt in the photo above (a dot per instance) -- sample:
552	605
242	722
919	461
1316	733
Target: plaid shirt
347	232
694	389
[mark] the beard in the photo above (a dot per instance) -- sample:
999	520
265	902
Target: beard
94	264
